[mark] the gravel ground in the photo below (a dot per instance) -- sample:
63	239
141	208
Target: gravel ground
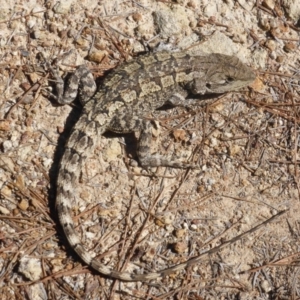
246	144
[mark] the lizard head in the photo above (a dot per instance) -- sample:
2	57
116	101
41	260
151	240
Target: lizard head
221	73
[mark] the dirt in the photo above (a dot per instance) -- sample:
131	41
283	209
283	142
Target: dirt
246	144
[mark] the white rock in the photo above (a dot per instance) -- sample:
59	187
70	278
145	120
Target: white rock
30	267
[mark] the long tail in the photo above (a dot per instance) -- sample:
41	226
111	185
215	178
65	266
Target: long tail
80	145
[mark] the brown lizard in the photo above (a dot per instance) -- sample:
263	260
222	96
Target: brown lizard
120	104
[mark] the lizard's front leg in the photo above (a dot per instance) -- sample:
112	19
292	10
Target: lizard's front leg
81	83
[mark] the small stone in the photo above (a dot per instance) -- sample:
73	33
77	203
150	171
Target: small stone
6	191
234	149
265	24
4	211
23	204
71	33
196	221
194	227
273	55
31	22
6	146
63	7
291	8
30	268
57	264
53	28
114	151
258	85
289	47
47	162
85	195
63	34
145	31
167	218
273	23
5	125
169	22
159	223
83	43
179	233
97	56
137	17
180	135
266	286
280	58
270	44
180	247
193	4
49	246
149	255
36	34
270	4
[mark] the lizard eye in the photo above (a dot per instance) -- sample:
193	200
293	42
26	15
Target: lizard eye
229	79
208	85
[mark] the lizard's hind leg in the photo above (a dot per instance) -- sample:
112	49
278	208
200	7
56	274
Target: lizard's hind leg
131	123
147	159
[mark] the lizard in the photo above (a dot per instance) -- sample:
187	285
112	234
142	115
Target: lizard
120	104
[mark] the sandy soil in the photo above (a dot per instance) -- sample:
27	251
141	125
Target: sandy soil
240	209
